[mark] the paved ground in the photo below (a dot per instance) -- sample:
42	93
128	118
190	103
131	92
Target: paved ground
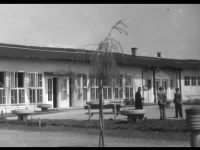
83	137
152	112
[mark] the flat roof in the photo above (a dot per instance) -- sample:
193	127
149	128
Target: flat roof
82	55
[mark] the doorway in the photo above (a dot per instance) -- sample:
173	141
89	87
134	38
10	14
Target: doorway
161	83
55	101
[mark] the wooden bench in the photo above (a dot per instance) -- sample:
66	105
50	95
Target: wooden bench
22	114
133	114
44	107
115	109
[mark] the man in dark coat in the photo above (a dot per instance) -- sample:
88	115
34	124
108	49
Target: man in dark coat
178	104
138	99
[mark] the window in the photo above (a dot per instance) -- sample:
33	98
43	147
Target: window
84	88
118	89
193	81
2	79
94	89
78	83
187	80
171	84
198	79
63	89
17	88
2	89
35	88
50	89
128	86
149	84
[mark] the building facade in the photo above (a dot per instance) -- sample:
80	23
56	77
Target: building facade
60	77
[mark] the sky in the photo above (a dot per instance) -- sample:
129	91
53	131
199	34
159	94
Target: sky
172	29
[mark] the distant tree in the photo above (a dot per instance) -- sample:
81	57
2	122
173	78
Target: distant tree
105	69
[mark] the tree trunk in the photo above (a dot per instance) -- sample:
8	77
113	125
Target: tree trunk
101	120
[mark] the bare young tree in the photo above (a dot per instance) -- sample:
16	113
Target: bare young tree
105	69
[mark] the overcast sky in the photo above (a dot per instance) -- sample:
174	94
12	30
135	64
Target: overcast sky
172	29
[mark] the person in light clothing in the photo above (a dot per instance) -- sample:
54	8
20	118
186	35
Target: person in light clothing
162	99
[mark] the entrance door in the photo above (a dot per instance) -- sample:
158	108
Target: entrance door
164	85
55	101
161	83
63	94
49	90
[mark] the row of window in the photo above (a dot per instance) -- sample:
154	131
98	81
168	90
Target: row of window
108	91
17	87
191	80
159	83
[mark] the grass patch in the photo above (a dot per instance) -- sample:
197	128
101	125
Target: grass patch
148	125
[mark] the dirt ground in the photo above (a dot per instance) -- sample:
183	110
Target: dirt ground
57	136
71	137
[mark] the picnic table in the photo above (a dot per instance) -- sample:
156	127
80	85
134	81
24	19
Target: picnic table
95	105
22	114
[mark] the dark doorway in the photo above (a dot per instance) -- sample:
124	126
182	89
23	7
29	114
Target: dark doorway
54	92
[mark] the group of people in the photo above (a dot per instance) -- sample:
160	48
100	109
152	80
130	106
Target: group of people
162	101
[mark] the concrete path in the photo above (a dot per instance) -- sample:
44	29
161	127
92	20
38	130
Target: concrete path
152	112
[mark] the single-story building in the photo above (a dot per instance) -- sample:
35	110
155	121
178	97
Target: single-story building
31	75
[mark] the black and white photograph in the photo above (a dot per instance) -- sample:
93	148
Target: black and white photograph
100	75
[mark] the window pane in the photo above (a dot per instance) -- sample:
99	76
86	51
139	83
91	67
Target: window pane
13	96
50	91
84	80
39	95
116	93
105	93
127	92
2	96
20	79
39	80
2	79
149	84
21	96
198	80
109	93
92	93
187	80
193	80
84	94
131	92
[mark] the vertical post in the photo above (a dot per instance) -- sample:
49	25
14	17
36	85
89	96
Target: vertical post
142	84
176	79
154	85
101	138
89	112
115	111
180	81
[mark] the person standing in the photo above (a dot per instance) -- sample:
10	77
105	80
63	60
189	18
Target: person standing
162	99
178	104
138	99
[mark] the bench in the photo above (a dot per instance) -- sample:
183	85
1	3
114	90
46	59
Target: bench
22	114
95	105
44	107
133	114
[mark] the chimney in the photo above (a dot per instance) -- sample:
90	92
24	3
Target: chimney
159	54
133	50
